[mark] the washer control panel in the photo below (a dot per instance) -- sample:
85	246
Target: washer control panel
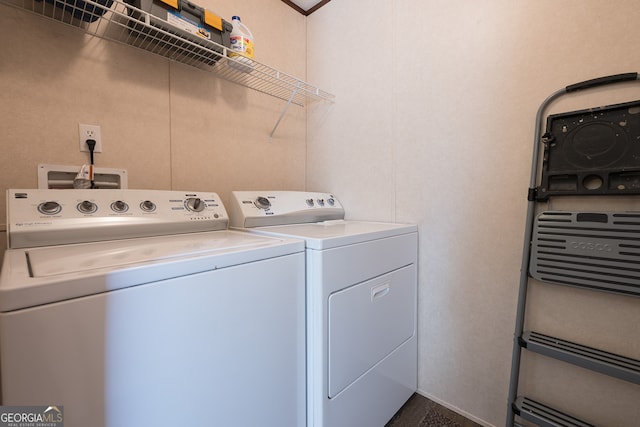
54	217
263	208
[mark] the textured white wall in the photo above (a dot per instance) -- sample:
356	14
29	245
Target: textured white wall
433	124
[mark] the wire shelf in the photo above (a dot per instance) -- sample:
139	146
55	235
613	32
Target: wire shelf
120	22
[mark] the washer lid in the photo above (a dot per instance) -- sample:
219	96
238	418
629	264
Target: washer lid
37	276
331	234
118	254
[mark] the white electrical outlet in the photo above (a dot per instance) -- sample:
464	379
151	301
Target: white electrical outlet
89	132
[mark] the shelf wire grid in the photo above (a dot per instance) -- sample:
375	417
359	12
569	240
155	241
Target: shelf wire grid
120	22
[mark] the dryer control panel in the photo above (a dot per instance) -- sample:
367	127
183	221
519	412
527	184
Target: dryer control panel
54	217
263	208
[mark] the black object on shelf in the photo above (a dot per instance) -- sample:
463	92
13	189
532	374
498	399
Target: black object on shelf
82	10
186	21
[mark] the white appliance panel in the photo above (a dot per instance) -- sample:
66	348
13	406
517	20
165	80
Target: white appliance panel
189	350
344	266
56	217
52	261
374	398
127	308
366	322
250	209
335	233
354	377
36	276
391	381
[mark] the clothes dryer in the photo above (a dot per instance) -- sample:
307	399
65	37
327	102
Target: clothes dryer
129	308
361	281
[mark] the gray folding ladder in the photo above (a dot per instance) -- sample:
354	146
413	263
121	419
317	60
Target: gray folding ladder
583	154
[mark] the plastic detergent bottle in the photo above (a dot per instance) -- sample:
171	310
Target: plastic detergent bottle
241	49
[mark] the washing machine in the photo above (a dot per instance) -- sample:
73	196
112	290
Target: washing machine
361	284
129	308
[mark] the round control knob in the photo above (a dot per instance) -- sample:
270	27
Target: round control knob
119	206
320	202
331	201
49	208
262	203
194	204
310	202
87	207
148	206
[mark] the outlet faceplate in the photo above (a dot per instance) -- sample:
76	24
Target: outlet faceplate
89	132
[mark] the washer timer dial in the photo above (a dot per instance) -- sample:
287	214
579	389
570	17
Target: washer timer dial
49	208
148	206
119	206
194	204
87	207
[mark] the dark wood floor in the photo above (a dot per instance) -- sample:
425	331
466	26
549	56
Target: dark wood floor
422	412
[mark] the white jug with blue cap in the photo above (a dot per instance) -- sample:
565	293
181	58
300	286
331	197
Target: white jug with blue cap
241	47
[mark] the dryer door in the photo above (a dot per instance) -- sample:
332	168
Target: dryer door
367	322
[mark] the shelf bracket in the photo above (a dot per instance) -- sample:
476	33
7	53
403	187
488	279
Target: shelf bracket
284	111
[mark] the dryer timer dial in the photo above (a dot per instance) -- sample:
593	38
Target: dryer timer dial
262	203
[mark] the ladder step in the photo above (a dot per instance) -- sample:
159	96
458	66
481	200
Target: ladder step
543	415
593	250
611	364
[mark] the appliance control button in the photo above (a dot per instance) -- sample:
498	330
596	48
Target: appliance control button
331	201
148	206
320	202
49	208
262	203
310	202
119	206
194	204
87	207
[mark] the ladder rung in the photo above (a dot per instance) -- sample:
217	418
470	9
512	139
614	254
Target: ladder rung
611	364
543	415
